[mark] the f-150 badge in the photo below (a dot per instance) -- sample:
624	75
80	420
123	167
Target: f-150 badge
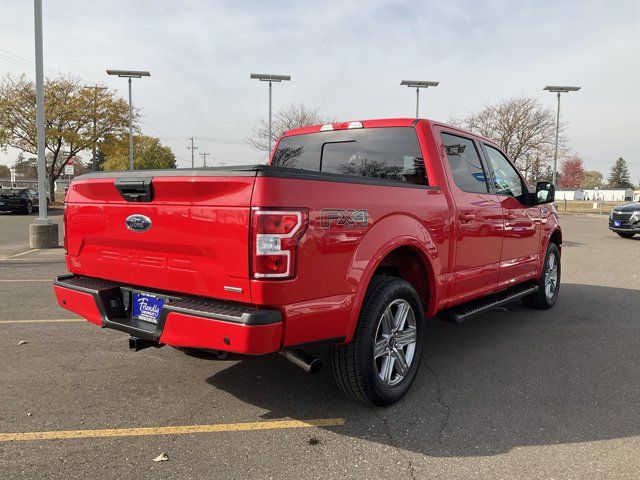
339	217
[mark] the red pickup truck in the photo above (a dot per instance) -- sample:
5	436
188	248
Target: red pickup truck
352	236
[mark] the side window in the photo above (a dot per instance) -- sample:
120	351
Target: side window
465	164
504	176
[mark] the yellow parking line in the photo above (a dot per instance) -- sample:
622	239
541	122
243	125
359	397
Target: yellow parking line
178	430
54	320
19	254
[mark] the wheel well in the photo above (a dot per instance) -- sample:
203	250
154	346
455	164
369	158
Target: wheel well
556	237
406	263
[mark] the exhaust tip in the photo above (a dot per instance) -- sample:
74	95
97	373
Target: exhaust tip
305	361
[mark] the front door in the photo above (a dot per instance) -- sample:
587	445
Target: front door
478	220
522	222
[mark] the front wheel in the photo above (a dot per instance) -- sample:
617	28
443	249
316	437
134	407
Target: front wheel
28	209
626	234
380	363
549	282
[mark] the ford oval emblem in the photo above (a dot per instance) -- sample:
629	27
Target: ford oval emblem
138	223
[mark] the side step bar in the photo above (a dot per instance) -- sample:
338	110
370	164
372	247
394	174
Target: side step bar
460	313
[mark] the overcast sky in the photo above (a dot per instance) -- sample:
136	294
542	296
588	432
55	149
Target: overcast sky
346	59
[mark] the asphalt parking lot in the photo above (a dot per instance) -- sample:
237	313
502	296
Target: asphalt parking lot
513	393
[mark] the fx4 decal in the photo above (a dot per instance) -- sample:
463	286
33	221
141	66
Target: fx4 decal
339	217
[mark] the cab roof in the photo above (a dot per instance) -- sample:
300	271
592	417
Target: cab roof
379	123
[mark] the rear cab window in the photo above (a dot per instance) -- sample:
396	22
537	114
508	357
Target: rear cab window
391	153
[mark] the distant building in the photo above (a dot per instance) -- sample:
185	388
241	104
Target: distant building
636	195
569	194
609	195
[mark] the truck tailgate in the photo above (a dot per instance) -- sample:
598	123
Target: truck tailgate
197	241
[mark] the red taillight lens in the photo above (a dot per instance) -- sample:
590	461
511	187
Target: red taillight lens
273	223
275	235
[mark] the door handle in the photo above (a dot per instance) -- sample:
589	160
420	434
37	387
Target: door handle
466	216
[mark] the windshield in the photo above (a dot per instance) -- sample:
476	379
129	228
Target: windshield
389	153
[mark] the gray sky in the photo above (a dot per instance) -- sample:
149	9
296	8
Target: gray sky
346	59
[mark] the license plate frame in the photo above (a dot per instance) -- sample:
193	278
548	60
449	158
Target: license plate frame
147	307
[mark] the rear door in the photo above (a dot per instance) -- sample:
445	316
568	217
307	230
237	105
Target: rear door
522	222
191	236
478	219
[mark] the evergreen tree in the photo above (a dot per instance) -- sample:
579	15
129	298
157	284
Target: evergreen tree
619	176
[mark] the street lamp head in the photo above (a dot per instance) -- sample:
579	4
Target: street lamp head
129	73
268	77
419	83
560	88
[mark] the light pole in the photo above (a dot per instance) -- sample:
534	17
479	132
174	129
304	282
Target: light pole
558	89
43	233
267	77
418	84
129	74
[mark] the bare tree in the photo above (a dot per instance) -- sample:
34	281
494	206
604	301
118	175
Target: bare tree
524	129
295	116
69	114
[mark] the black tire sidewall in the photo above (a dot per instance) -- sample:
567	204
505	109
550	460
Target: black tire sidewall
552	249
387	291
29	208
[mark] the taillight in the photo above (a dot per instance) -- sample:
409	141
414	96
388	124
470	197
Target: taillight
275	235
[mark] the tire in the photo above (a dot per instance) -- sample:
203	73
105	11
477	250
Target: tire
543	298
356	369
28	209
626	234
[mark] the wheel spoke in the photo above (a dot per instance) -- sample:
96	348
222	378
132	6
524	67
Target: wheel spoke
552	262
406	337
387	321
380	348
401	361
401	316
387	369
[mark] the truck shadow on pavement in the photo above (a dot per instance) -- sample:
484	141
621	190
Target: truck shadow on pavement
498	381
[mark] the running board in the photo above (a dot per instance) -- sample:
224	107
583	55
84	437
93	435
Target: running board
460	313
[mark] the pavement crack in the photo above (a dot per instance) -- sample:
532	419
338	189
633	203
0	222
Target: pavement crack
440	402
392	442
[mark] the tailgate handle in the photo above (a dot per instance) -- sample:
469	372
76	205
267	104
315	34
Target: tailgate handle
135	189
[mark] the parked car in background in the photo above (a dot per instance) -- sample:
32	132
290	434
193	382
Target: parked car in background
625	220
19	200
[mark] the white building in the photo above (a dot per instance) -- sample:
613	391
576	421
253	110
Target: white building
569	194
636	195
609	195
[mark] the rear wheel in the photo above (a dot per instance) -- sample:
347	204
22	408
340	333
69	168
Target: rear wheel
380	363
549	282
626	234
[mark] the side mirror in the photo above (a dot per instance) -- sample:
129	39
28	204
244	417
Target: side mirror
545	193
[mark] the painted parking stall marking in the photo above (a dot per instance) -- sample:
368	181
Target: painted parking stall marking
169	430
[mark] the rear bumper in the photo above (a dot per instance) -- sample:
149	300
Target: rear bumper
184	321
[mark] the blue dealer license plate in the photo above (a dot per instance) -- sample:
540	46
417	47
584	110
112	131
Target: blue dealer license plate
617	223
147	307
